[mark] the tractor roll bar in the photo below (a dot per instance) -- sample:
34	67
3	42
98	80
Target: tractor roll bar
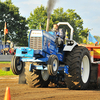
66	23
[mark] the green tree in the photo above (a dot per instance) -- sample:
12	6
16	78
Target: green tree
97	37
16	24
39	16
74	19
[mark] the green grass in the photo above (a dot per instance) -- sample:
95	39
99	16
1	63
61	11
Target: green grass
5	73
2	62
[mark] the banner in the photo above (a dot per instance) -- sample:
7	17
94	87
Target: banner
5	29
91	38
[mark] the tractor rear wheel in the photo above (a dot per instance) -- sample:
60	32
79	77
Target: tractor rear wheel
36	78
79	64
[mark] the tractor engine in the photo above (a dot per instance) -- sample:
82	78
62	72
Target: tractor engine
40	44
40	40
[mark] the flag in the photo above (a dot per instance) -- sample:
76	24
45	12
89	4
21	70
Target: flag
91	38
5	29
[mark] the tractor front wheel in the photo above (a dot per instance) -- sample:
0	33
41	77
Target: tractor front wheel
53	65
37	78
16	65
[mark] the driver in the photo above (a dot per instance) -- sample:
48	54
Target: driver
60	35
55	29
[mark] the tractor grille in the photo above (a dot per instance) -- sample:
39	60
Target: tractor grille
36	43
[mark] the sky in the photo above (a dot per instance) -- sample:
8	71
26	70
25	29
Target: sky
89	10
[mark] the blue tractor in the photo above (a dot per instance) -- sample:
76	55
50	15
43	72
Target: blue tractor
45	60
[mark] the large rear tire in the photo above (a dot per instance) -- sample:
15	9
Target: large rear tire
79	64
36	78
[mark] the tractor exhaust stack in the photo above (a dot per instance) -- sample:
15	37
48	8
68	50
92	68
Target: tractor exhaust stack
47	27
50	7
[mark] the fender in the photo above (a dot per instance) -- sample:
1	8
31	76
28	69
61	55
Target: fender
69	46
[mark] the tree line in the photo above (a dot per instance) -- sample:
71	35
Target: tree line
18	25
39	17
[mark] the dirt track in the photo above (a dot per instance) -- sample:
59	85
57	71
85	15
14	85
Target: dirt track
24	92
4	65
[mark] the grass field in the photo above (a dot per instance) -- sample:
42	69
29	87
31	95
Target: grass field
5	62
5	73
